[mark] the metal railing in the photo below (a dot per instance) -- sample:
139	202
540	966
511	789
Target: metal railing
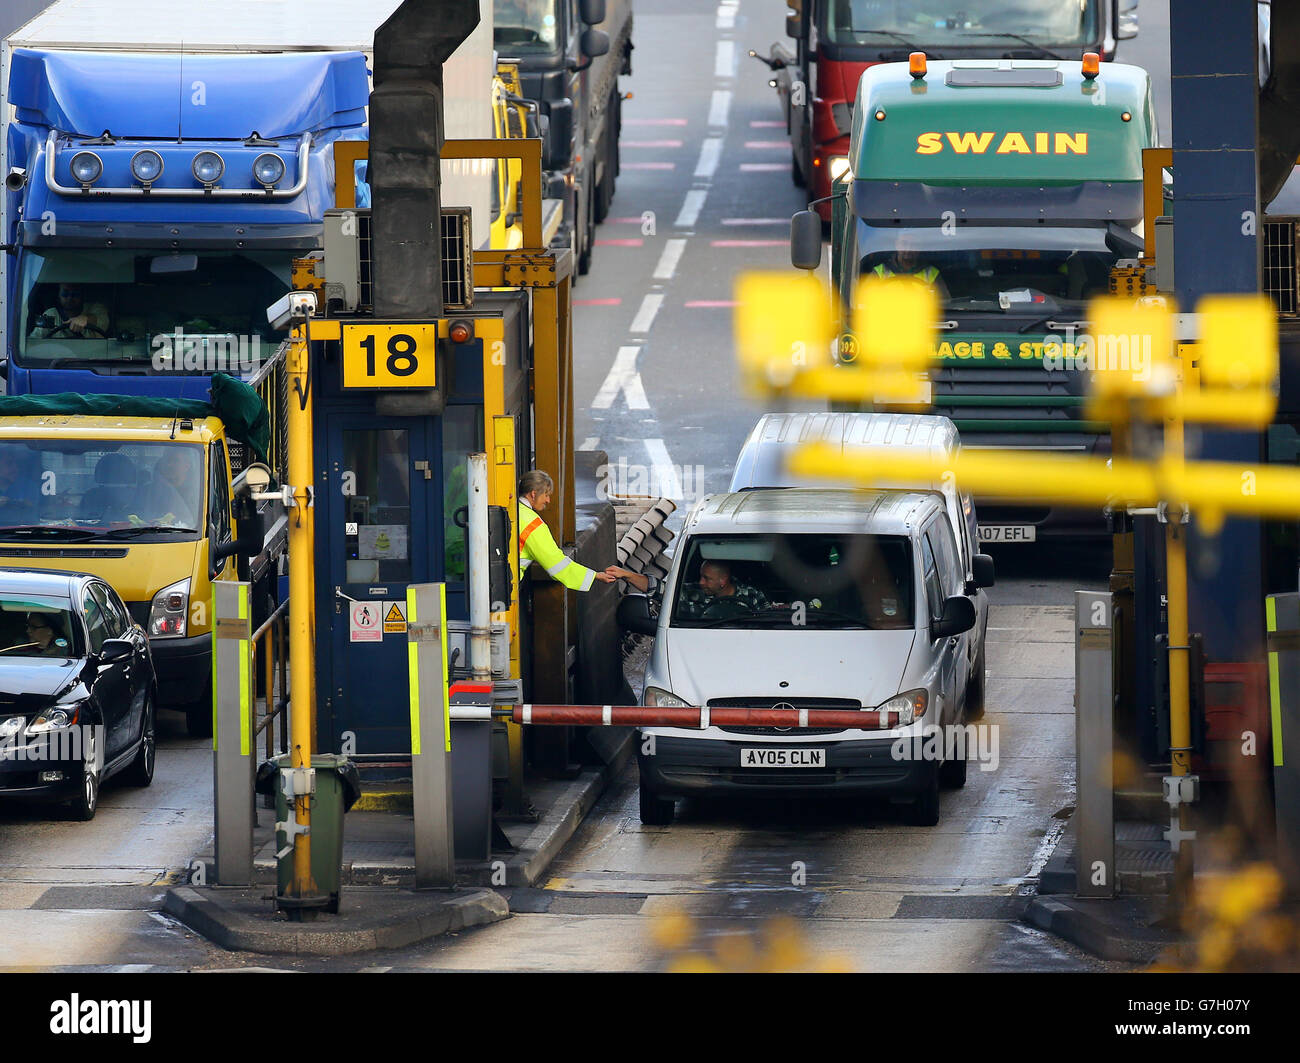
270	645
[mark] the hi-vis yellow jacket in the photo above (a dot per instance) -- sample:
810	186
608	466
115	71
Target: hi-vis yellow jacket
537	544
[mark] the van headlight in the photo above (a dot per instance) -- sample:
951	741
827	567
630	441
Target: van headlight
839	167
907	707
664	699
167	611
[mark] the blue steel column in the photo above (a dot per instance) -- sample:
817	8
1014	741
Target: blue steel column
1213	57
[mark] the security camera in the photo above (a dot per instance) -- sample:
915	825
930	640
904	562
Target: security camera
295	306
16	178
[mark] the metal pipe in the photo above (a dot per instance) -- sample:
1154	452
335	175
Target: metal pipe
478	559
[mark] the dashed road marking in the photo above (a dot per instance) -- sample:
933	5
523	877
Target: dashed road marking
663	121
710	156
645	314
766	145
650	143
648	165
672	254
719	106
691	207
612	301
760	167
764	123
747	243
724	62
709	304
755	221
623	378
619	241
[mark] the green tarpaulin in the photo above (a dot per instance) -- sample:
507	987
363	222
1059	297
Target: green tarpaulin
238	406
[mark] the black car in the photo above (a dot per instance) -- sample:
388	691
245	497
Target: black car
78	694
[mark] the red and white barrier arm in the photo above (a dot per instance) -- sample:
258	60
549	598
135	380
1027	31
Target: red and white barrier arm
679	716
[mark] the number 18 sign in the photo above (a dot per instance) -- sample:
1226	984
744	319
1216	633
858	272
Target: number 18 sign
377	355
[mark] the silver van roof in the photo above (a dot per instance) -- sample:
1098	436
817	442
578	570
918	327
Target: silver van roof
762	460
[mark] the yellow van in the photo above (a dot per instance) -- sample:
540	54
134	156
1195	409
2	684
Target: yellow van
147	504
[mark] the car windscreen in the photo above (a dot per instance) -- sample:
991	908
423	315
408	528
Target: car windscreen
86	490
38	625
905	23
524	26
819	580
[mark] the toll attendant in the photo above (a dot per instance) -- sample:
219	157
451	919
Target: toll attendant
536	542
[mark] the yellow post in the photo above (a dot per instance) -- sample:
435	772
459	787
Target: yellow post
302	707
1180	713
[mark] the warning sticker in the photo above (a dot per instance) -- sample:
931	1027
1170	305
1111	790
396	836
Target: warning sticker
364	622
394	618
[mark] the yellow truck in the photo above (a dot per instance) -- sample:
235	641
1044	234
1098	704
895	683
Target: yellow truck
151	505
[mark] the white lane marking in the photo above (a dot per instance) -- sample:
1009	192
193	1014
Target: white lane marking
691	207
645	314
725	59
665	472
672	254
710	156
755	221
590	443
719	106
727	14
623	378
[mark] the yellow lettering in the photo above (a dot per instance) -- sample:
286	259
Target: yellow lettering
1040	143
1000	350
944	351
1076	143
929	143
964	142
1013	142
978	349
961	350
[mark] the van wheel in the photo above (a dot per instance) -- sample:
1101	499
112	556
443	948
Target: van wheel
924	811
656	811
975	690
952	774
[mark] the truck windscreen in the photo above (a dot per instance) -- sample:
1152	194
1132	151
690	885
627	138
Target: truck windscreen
524	26
195	312
995	276
86	490
904	23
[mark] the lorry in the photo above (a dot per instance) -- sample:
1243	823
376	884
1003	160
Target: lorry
570	57
150	503
1013	188
835	41
165	164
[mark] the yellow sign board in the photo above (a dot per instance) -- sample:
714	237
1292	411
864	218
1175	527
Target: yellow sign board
378	355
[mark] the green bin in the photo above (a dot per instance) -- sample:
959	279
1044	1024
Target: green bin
337	789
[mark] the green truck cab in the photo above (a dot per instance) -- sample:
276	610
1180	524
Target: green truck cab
153	506
1013	187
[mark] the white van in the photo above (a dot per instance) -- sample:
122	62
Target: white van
818	599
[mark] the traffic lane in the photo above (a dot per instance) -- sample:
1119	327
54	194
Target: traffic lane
862	883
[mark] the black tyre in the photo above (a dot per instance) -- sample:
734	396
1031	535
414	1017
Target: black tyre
952	775
140	773
198	716
796	172
975	691
585	236
85	803
924	811
656	811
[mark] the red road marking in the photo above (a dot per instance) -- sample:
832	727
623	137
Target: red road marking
598	302
765	125
665	121
650	166
625	241
747	243
755	221
711	304
624	221
756	167
650	143
766	145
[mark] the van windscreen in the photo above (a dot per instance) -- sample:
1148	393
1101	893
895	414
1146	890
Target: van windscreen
825	580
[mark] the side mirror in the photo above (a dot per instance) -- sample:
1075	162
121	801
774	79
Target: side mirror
958	615
1126	19
591	12
794	18
806	239
982	569
559	138
634	615
594	43
115	650
4	368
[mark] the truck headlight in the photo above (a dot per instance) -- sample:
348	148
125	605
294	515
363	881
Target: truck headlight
664	699
207	167
86	167
146	166
167	611
268	168
839	167
908	707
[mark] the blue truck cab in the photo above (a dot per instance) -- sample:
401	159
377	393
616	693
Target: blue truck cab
154	203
